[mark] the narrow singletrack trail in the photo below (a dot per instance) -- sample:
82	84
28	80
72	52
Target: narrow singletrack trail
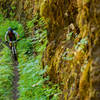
15	92
15	81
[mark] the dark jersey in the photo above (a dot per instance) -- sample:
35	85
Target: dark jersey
11	35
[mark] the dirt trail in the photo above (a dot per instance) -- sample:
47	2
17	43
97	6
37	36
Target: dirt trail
16	76
15	81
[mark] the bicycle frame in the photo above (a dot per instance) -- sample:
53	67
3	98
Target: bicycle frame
13	49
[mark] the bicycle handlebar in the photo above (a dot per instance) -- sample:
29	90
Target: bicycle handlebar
12	41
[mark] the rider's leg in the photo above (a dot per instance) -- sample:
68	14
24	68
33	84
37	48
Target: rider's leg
15	43
16	46
10	44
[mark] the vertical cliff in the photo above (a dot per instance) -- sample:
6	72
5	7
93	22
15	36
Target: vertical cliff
73	49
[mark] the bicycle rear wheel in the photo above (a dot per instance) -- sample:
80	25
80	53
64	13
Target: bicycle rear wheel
14	53
15	57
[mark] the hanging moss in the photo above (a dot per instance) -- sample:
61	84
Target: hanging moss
84	83
54	10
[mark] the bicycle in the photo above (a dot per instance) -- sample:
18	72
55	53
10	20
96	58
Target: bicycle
12	46
13	49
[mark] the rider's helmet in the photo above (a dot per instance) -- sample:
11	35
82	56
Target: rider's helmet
9	29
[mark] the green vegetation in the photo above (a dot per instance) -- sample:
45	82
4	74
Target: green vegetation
67	55
6	69
5	23
6	74
81	44
32	84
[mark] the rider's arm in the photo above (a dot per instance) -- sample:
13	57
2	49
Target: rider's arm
16	34
6	36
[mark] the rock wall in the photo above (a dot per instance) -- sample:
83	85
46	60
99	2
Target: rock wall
73	50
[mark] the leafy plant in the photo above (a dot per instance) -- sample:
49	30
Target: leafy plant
31	83
81	45
6	75
5	23
67	55
69	35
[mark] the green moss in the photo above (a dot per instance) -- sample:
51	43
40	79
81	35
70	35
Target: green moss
54	10
84	83
86	1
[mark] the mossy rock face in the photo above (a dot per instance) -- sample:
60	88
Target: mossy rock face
19	9
8	7
59	13
84	82
88	23
54	10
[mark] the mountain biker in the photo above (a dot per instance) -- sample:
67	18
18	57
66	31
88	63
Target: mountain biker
11	35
